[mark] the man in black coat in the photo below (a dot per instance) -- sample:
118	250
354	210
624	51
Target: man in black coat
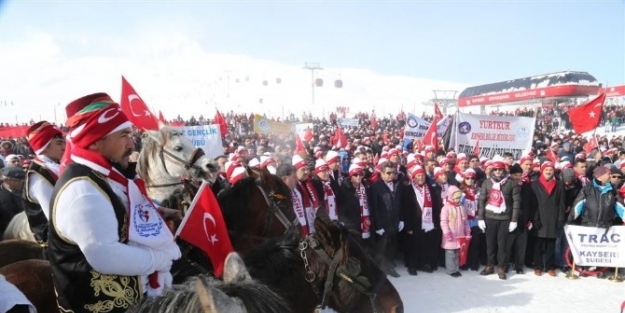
11	202
386	220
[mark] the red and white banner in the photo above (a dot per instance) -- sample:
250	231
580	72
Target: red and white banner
495	134
521	95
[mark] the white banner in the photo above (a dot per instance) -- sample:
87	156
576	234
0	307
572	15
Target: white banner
207	137
593	246
496	134
300	128
348	122
416	127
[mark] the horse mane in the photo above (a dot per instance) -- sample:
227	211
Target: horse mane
149	150
234	203
183	298
19	228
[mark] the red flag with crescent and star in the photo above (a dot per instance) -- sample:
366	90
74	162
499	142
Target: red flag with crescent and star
204	227
135	108
586	117
221	121
437	112
476	149
431	136
463	242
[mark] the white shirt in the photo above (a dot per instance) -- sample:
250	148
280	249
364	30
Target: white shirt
39	189
85	216
10	296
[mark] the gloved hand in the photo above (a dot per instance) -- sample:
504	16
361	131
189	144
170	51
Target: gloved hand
512	226
449	237
401	226
380	231
529	225
481	224
162	261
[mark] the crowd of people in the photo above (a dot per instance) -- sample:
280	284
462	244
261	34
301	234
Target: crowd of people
398	197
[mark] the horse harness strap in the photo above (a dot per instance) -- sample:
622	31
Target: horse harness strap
333	270
196	155
273	208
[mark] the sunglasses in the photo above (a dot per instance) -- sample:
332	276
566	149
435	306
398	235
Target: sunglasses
498	169
358	175
617	176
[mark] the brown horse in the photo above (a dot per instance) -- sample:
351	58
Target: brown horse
34	279
16	250
327	269
256	208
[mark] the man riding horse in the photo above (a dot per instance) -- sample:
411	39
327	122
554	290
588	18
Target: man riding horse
103	255
49	145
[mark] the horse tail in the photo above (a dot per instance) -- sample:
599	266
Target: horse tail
19	228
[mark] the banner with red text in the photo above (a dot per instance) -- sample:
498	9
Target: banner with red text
496	134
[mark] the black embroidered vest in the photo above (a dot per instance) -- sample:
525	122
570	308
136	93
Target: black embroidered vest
34	212
78	286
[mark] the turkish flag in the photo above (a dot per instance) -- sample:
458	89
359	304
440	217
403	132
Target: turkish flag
463	242
552	156
299	146
221	121
161	118
438	115
431	137
133	106
476	149
591	144
339	138
203	226
586	117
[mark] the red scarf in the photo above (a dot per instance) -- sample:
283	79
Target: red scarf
313	195
365	221
470	193
330	201
300	212
525	178
549	185
582	178
425	193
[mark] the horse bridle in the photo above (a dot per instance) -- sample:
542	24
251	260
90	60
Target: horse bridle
188	165
349	273
273	208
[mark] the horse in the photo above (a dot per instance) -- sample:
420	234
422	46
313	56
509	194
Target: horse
16	250
19	228
237	293
34	279
329	268
255	208
167	157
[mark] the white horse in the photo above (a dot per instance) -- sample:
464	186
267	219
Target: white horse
165	159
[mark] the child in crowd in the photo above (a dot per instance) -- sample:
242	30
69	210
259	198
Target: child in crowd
454	224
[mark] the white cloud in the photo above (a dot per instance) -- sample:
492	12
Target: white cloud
172	73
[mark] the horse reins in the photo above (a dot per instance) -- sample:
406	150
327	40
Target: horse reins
273	208
359	283
188	165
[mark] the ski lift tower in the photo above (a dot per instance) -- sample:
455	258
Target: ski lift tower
446	99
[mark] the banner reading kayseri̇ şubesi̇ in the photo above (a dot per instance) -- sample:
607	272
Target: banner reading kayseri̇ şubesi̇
593	246
207	137
496	134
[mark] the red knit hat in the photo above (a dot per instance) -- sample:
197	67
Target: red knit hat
41	134
298	162
81	109
99	125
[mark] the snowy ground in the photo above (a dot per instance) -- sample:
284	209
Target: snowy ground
439	292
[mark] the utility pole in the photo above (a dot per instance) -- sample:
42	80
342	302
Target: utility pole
228	83
312	67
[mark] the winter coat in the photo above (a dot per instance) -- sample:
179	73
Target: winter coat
550	209
511	195
385	206
597	206
349	207
412	211
453	221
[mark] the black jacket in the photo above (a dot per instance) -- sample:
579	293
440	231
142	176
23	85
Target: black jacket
597	206
10	205
349	206
512	197
412	211
550	209
385	206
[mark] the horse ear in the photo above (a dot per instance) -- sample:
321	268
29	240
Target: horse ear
213	300
235	270
156	136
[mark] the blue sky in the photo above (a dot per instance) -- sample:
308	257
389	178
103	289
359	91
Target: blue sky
471	42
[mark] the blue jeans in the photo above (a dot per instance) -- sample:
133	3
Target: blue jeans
561	245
